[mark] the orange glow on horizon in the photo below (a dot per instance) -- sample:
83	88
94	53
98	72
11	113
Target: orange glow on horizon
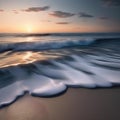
50	28
42	17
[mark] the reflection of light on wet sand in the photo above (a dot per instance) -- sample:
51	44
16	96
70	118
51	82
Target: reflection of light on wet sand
27	108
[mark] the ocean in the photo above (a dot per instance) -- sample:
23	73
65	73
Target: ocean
46	65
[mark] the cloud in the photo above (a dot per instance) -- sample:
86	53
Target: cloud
85	15
61	14
111	2
15	11
103	18
1	10
36	9
62	23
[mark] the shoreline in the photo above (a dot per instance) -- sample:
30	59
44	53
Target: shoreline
75	104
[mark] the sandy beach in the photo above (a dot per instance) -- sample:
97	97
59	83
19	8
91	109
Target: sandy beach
75	104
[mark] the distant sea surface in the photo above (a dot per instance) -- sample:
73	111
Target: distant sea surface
46	65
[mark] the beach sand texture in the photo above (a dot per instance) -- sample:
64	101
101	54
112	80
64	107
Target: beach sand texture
75	104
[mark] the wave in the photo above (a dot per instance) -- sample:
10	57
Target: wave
48	45
52	77
95	65
42	45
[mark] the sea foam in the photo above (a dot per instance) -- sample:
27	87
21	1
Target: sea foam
93	65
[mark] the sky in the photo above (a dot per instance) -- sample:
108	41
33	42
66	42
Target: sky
47	16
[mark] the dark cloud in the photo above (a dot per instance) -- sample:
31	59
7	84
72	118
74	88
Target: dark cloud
1	10
36	9
103	18
85	15
62	23
111	2
61	14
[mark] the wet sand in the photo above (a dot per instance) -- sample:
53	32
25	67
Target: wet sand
75	104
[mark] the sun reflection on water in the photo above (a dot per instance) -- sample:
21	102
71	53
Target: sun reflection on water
27	57
29	39
30	57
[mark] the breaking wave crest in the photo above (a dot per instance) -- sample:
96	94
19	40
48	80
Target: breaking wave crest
48	45
44	45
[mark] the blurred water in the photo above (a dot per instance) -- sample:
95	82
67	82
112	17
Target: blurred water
45	65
